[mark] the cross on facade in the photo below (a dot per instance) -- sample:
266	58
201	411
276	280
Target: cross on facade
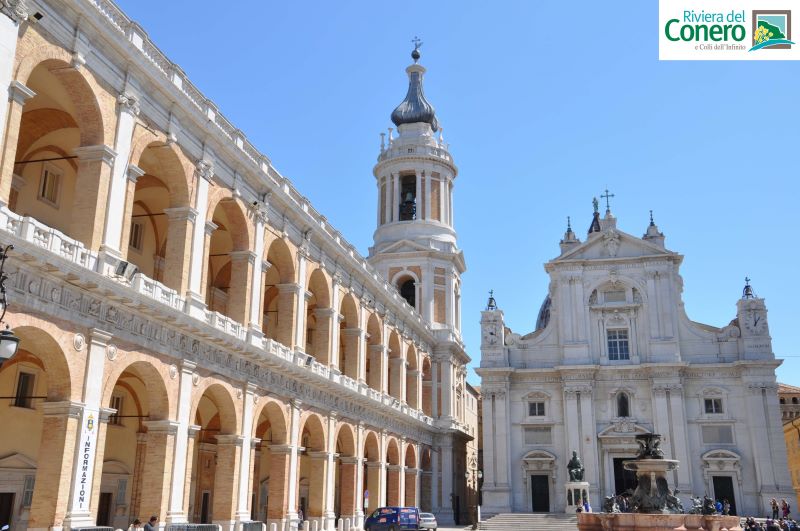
416	42
607	196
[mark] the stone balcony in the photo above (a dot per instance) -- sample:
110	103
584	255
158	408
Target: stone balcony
53	251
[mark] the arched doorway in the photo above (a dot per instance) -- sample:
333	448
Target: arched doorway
135	455
372	473
347	491
270	466
37	380
426	494
411	476
393	492
312	470
214	474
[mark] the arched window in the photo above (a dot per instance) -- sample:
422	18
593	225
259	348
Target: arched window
623	405
794	400
783	400
409	292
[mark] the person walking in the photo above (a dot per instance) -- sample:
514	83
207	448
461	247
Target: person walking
137	524
785	508
726	507
774	504
152	524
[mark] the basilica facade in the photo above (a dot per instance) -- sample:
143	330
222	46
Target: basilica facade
197	341
613	354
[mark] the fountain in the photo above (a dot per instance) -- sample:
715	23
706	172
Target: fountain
654	506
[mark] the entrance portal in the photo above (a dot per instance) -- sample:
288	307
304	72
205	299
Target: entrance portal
540	493
6	507
723	490
623	479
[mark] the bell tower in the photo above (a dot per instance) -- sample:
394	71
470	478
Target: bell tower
415	242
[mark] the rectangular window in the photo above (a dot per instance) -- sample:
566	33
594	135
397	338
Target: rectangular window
116	403
24	395
49	184
27	491
713	405
618	344
614	296
717	434
122	487
536	409
137	235
538	435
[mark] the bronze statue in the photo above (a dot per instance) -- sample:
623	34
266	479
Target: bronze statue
575	468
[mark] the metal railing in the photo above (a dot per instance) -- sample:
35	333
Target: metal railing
252	526
192	527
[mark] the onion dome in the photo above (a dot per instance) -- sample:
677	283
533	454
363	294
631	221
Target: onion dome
415	108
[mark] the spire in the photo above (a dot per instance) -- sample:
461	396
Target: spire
595	226
415	108
569	237
653	235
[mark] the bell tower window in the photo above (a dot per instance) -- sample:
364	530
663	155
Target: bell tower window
408	198
408	291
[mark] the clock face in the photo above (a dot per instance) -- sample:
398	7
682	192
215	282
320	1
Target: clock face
490	335
756	321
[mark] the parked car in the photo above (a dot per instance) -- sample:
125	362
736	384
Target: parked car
393	519
427	521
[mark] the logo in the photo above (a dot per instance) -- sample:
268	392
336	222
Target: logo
90	423
772	30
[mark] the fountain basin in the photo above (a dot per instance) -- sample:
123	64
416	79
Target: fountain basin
656	522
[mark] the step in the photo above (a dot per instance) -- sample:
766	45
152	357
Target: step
530	522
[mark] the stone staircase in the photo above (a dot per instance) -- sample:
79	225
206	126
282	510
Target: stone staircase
530	522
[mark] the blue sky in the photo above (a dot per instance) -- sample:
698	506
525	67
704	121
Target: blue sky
543	108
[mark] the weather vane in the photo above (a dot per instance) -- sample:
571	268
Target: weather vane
595	204
415	55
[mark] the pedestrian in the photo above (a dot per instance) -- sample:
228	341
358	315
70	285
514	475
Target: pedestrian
586	507
151	524
137	524
300	517
785	508
726	507
774	504
718	506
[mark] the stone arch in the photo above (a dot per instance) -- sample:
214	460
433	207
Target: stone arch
411	471
427	386
319	316
345	440
222	397
375	358
271	414
271	459
347	491
349	336
410	459
408	285
413	377
425	494
46	348
396	367
157	396
372	470
281	298
229	262
313	466
393	455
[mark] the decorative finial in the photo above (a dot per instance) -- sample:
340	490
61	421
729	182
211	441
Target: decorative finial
607	196
595	204
652	223
569	224
415	55
492	304
747	292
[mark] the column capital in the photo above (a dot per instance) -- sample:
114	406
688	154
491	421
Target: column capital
396	468
291	287
205	169
99	152
231	439
350	460
325	312
134	172
67	408
318	454
210	227
296	404
181	213
281	448
193	430
19	93
188	366
105	413
250	256
99	337
128	103
165	426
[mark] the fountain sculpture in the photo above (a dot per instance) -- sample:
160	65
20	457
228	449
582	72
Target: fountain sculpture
654	505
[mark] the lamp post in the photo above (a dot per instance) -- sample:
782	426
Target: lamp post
9	343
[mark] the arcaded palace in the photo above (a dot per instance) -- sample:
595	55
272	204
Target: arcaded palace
197	341
614	354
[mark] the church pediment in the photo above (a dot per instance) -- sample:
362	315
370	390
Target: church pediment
18	462
612	243
404	246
